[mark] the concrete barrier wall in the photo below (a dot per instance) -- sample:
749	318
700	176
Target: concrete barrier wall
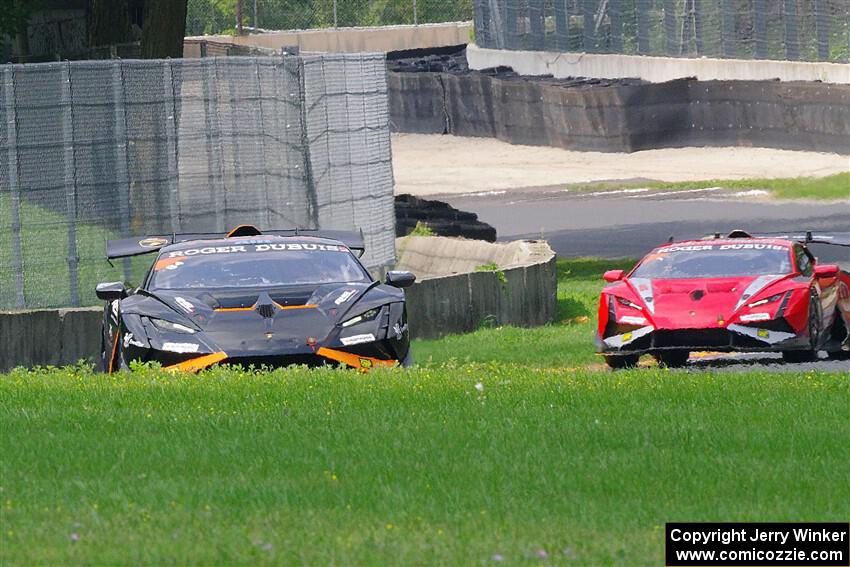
465	302
346	40
523	292
654	69
49	337
622	116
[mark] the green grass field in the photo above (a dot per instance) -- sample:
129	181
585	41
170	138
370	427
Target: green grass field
450	465
505	443
832	187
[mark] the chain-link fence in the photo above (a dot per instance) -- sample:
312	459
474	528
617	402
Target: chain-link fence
808	30
206	17
94	150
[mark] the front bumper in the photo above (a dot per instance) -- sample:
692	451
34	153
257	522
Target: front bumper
323	356
733	338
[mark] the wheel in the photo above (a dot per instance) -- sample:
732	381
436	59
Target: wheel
839	339
809	354
839	355
619	361
104	361
799	356
673	358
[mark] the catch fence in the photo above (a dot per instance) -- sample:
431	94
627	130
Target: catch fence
205	17
806	30
94	150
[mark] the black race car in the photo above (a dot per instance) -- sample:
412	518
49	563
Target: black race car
270	298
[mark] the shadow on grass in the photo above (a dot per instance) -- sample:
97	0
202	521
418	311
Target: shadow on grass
570	309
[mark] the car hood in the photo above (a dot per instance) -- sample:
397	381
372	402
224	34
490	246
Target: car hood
698	303
248	323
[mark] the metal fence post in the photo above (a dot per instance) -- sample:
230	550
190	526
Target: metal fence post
642	9
69	159
215	152
615	15
121	167
415	15
260	118
309	179
588	10
562	28
335	19
822	29
14	185
792	35
670	42
698	27
499	33
727	29
171	143
760	28
536	24
256	21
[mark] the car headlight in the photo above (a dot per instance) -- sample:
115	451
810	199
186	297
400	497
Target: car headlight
770	299
170	327
627	303
363	317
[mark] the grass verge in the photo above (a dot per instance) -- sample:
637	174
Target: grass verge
450	465
568	343
832	187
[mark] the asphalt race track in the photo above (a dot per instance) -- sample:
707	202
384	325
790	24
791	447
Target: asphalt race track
628	224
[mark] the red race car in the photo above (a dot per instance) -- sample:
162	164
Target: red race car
738	293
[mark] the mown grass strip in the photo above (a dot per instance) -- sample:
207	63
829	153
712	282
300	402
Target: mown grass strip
831	187
449	465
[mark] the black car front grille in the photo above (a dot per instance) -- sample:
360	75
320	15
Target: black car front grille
691	338
266	310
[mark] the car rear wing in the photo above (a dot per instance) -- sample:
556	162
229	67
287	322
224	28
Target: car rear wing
811	237
807	237
139	245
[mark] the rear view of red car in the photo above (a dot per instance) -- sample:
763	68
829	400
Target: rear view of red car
738	293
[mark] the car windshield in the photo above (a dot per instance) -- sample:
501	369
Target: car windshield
714	261
256	265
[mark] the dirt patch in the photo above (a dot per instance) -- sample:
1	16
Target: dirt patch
432	164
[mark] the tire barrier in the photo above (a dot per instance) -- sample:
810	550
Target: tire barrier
441	218
620	115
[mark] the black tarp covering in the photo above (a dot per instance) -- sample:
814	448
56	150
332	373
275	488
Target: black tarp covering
621	115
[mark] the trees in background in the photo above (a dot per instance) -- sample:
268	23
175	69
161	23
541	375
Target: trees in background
164	28
108	22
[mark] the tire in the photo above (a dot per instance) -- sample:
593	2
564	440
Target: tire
809	354
839	355
673	358
407	362
104	361
620	361
795	356
839	339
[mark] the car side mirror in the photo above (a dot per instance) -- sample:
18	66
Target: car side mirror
400	279
612	276
111	291
826	271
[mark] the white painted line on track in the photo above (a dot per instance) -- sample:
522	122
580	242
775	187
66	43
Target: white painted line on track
678	192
